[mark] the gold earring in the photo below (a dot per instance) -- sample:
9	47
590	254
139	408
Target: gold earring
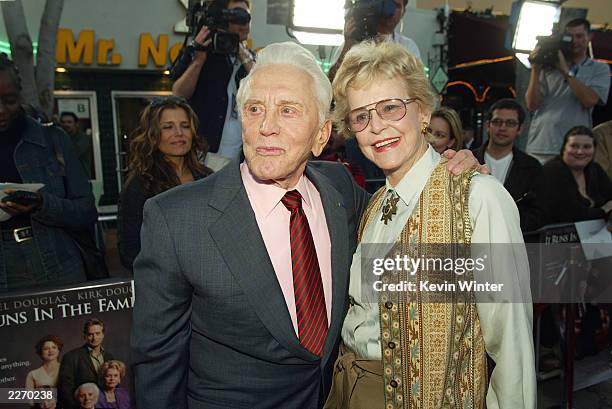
425	128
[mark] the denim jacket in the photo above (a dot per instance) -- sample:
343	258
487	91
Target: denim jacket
68	202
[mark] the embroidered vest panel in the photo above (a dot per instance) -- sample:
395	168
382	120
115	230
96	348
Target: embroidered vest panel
433	351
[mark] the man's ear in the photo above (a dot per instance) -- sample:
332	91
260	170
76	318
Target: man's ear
321	138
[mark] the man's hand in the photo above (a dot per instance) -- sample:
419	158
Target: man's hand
533	55
607	207
463	160
562	63
202	39
14	209
245	57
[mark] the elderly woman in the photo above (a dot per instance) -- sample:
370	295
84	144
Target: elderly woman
403	351
113	396
163	154
572	187
48	348
446	130
87	395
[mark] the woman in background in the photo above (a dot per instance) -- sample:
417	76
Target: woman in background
446	130
112	395
36	248
163	154
572	187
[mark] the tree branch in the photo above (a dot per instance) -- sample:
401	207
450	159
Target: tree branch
21	48
45	58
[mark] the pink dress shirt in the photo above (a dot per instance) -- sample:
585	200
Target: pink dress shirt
273	221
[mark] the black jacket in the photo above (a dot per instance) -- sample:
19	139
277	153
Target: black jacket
520	183
209	100
129	219
557	192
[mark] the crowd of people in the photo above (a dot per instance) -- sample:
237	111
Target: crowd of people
248	277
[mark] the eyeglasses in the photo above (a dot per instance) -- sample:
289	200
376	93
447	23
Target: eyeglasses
388	109
167	99
510	123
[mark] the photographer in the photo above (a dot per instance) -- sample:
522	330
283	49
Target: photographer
211	80
563	92
385	16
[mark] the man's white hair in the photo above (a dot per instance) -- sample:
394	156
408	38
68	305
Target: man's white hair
289	53
87	385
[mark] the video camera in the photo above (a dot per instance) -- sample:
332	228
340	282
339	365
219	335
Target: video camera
367	15
549	46
217	19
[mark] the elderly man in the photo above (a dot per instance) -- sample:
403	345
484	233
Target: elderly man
241	284
87	395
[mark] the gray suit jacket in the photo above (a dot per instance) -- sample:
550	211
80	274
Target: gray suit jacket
211	328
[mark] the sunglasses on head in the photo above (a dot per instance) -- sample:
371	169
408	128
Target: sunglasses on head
169	99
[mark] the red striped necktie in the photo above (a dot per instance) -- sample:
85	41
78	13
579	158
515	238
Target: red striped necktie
307	283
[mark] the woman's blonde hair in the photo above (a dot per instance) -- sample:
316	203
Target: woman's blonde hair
370	61
113	364
454	123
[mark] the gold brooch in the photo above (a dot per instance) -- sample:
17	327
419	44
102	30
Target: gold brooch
390	207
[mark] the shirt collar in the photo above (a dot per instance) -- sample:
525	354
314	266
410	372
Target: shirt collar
415	179
265	196
90	349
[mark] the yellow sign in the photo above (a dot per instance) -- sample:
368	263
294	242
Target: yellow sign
81	50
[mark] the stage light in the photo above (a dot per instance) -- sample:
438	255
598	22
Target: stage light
60	69
317	22
535	18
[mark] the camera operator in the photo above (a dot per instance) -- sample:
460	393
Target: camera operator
385	29
563	93
211	80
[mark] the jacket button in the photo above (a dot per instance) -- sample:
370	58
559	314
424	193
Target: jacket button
393	383
388	305
391	345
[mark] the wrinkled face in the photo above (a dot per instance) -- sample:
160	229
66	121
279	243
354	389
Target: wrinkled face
87	397
176	135
280	124
112	378
69	124
94	336
394	146
503	127
50	351
580	39
578	151
241	29
440	136
10	101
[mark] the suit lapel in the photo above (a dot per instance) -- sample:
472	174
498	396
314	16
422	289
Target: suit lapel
88	363
239	241
335	216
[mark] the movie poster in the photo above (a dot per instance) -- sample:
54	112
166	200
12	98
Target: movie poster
28	317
